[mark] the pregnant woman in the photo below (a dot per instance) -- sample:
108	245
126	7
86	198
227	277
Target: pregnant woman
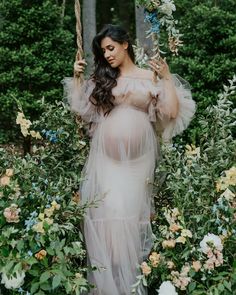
123	103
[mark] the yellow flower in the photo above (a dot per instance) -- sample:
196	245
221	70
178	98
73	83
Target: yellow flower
38	227
225	181
174	43
175	212
181	240
228	195
49	221
4	180
76	197
155	259
192	150
196	265
146	270
24	131
55	205
231	175
19	118
41	216
49	211
24	124
168	244
170	264
78	275
186	233
9	172
41	254
35	134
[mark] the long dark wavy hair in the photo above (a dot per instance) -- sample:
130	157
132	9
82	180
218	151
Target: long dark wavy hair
104	75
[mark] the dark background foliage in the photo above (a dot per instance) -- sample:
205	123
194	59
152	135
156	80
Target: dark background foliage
38	49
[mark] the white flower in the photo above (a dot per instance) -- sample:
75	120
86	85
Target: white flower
14	282
208	240
167	288
167	7
228	195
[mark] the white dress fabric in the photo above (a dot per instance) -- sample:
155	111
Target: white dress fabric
121	163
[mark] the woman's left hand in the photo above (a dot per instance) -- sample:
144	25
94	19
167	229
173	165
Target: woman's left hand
160	68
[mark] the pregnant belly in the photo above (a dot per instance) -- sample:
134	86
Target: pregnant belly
125	133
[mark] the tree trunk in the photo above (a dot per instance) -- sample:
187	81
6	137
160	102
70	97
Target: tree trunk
89	31
141	28
63	8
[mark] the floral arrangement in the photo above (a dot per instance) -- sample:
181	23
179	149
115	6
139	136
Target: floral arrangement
159	13
42	248
41	245
194	252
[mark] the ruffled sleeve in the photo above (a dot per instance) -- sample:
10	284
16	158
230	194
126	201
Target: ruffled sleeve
78	98
159	109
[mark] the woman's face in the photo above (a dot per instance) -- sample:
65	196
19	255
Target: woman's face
114	52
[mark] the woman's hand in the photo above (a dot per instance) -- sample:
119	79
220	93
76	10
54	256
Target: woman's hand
79	66
160	68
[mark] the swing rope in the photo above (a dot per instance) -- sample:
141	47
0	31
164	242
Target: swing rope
79	54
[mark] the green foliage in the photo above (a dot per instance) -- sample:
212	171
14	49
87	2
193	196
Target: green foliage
208	55
36	53
201	187
42	239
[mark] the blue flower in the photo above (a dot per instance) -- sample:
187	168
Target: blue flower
34	214
151	17
58	199
51	135
30	253
30	222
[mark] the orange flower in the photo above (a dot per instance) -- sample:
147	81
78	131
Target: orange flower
168	244
197	265
41	254
146	269
155	259
76	197
175	227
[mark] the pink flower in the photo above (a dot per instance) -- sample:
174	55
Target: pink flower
174	227
209	253
146	270
4	180
209	264
12	213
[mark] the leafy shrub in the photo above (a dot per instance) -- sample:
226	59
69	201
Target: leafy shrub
196	231
42	247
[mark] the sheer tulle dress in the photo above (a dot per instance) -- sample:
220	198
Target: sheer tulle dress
120	166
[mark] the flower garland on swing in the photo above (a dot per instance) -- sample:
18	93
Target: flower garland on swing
159	13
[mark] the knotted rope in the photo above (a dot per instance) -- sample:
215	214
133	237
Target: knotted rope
80	53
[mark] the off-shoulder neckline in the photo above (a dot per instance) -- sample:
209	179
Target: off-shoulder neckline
134	77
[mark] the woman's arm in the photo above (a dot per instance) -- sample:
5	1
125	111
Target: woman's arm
161	69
